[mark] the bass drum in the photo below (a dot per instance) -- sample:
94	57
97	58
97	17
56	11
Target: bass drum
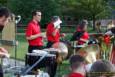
69	45
63	50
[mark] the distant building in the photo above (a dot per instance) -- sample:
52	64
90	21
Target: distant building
112	4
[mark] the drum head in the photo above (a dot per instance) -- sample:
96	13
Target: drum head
63	50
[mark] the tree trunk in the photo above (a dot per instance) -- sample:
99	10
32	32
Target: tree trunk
94	22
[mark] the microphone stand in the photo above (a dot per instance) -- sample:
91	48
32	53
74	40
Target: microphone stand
17	21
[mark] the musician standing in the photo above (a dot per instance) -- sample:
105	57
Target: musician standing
33	32
53	31
4	14
53	36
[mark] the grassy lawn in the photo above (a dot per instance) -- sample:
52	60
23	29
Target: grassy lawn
21	48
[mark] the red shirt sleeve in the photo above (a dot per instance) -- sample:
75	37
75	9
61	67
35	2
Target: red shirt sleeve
29	30
85	36
50	29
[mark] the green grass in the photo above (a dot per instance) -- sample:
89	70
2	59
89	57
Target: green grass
21	48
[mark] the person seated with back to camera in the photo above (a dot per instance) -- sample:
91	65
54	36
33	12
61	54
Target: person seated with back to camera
102	68
77	66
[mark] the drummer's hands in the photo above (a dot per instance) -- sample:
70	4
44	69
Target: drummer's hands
4	52
43	35
7	55
63	34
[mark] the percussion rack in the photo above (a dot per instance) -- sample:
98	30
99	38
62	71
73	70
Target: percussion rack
25	72
39	60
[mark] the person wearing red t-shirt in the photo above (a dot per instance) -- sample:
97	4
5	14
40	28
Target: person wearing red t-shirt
33	32
81	35
84	34
53	36
52	31
77	66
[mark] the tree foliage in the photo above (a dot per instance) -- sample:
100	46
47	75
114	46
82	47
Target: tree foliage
87	9
25	7
79	9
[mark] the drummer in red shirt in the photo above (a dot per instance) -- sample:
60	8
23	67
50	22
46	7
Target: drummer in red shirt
53	36
84	37
33	32
53	31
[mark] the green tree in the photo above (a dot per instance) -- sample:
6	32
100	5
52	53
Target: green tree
49	9
3	2
87	9
25	7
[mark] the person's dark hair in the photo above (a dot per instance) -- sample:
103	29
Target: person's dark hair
101	67
55	18
82	24
35	12
85	22
76	60
4	12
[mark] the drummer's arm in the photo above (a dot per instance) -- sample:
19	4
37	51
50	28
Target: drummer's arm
55	31
3	52
34	36
84	40
29	33
51	30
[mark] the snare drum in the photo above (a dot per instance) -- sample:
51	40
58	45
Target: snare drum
31	58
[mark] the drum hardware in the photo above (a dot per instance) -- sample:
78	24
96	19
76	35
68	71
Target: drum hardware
39	60
77	46
19	71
